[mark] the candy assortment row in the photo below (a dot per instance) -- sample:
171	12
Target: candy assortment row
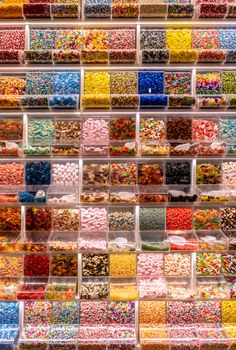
117	173
118	45
45	229
119	136
112	89
52	323
115	9
122	289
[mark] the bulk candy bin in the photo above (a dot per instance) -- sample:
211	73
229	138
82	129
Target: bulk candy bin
117	175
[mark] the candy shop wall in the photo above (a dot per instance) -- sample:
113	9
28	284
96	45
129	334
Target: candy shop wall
117	175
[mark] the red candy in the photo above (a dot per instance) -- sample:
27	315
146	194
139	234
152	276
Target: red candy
179	219
36	265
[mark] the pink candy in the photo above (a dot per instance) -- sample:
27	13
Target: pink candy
93	313
150	264
95	130
94	219
65	173
152	288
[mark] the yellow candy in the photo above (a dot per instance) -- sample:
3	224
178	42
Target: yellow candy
231	334
123	292
123	265
11	11
97	83
152	312
180	39
229	311
183	56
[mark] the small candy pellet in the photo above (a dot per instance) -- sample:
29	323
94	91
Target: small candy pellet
152	39
65	11
207	39
42	39
227	39
66	312
39	83
122	9
93	313
150	9
208	173
12	173
152	312
123	292
122	265
152	219
179	219
207	219
95	265
212	10
11	11
64	265
150	83
97	9
180	312
177	264
208	264
228	82
208	83
37	313
207	311
122	312
229	311
178	39
67	83
11	266
9	314
150	264
121	221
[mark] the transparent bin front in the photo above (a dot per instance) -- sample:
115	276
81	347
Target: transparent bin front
63	242
213	240
183	240
154	241
92	242
123	289
59	288
32	288
94	288
124	195
9	242
93	194
180	289
35	241
211	288
121	241
182	194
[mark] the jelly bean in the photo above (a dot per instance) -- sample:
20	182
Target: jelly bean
176	264
205	39
180	312
208	83
122	312
178	39
208	264
208	173
42	39
150	82
178	83
122	265
179	219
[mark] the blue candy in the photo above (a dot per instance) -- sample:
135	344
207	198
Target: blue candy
227	39
9	313
38	173
67	83
151	82
153	101
63	101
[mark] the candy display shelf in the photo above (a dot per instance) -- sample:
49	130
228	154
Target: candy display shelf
117	175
